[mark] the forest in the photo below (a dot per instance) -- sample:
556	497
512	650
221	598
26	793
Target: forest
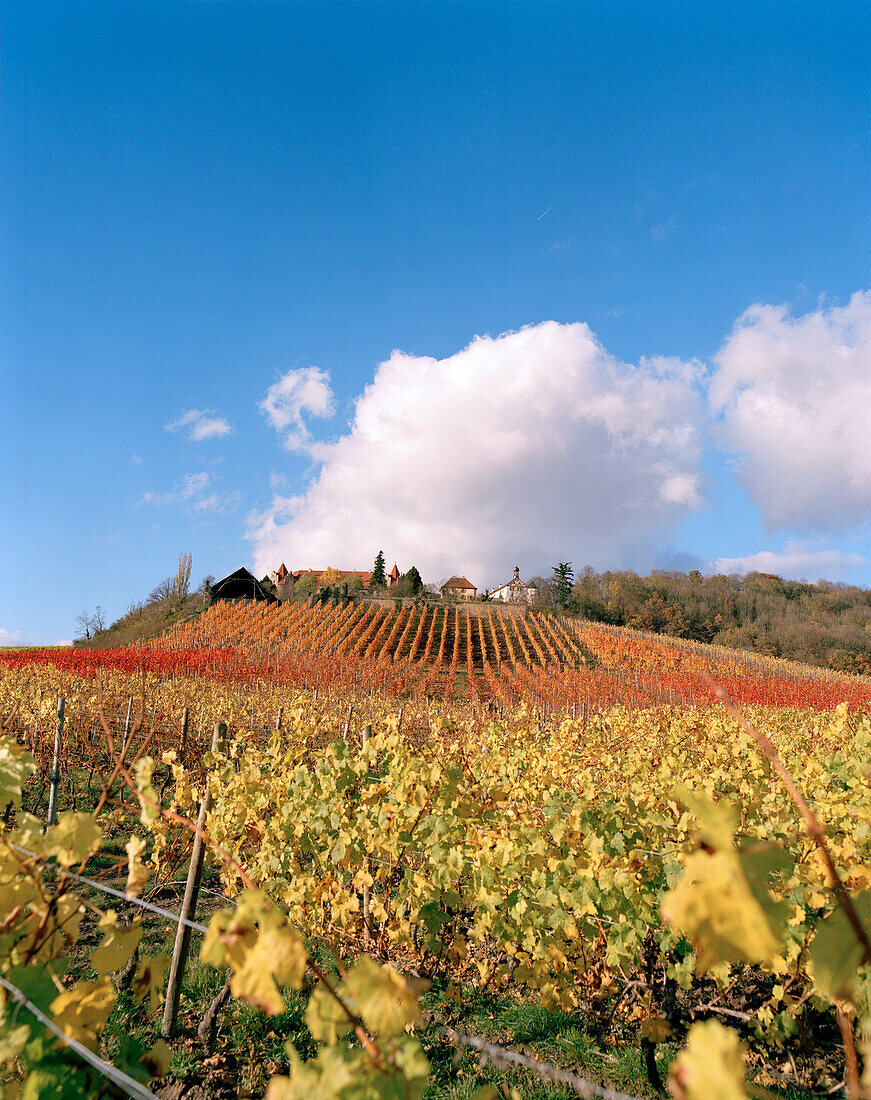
825	624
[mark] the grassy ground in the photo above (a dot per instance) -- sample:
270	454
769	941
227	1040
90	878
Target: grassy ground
145	621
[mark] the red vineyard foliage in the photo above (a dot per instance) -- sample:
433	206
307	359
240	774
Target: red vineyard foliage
480	654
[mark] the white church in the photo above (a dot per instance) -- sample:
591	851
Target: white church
515	590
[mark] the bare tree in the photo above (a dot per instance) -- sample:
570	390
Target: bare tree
163	591
97	619
183	577
83	622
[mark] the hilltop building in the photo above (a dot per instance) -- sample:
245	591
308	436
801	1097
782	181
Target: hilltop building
347	574
240	585
458	588
515	590
284	579
279	575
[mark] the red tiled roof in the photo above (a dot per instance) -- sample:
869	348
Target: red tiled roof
364	575
458	582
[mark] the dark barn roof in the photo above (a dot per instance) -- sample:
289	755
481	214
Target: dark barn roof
241	585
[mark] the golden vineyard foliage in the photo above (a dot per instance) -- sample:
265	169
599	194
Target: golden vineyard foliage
552	858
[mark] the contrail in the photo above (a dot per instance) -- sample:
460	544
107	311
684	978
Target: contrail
540	216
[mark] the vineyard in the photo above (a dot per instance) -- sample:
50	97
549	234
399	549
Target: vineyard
418	821
478	657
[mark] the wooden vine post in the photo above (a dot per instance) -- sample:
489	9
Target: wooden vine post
347	729
55	763
127	723
189	903
183	740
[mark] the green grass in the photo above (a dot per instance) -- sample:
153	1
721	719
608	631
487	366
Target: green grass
560	1038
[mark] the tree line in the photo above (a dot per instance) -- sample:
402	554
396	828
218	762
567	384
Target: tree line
824	624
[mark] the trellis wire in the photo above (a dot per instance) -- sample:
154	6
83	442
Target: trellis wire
150	906
116	1076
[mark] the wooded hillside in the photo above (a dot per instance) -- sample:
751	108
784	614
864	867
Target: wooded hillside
822	624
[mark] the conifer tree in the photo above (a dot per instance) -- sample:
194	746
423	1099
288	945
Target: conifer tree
379	577
563	579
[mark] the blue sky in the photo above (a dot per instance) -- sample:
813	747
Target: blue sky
220	221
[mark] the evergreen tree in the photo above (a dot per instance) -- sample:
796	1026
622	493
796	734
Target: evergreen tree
563	579
379	577
414	580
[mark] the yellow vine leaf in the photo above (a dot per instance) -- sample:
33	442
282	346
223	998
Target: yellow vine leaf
342	1071
656	1028
29	832
278	956
137	873
81	1012
325	1018
722	903
16	767
836	953
119	943
710	1067
233	933
73	839
148	798
158	1058
148	981
717	820
713	905
13	1042
387	1001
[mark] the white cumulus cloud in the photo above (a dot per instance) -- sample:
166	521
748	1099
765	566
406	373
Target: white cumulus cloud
529	448
303	391
795	394
9	637
200	424
796	560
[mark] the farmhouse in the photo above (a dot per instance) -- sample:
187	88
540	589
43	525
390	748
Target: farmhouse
458	588
515	590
